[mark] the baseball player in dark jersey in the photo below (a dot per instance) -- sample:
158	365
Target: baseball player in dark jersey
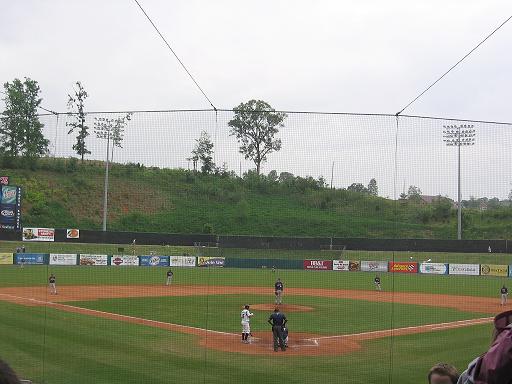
169	277
52	281
376	281
504	295
279	288
278	321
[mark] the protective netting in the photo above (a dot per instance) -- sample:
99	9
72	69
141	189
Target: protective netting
313	218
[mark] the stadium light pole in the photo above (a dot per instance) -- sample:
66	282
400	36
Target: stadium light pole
102	128
458	136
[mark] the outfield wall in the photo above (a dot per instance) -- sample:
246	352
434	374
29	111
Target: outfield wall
372	266
271	242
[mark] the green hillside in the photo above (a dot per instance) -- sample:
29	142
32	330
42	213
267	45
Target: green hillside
65	193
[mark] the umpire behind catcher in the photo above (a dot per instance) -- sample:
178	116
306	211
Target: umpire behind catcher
278	320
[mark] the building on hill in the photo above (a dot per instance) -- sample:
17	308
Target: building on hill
427	200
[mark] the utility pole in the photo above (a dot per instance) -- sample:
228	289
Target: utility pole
332	173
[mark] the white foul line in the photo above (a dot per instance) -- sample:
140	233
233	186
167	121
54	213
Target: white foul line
81	309
426	327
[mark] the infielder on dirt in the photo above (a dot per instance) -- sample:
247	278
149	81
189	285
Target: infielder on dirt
246	315
52	284
504	295
279	288
170	274
376	281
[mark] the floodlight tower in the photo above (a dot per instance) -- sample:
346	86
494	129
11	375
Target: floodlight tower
458	136
102	128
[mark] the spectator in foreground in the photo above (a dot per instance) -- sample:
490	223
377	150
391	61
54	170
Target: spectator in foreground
495	365
443	373
7	375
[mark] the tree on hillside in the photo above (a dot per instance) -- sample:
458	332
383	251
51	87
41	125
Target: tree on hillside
203	151
21	131
372	187
255	126
76	106
414	193
357	187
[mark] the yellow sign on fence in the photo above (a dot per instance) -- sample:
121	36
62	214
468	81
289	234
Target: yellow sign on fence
493	270
6	258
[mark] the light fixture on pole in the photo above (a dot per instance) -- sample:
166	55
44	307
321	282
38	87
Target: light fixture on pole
459	136
111	130
103	128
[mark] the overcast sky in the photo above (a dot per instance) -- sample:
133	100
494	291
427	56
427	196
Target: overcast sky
343	56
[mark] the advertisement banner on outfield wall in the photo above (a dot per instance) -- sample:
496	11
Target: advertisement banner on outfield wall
464	269
510	271
374	266
72	233
124	261
89	259
319	265
38	234
403	267
205	261
182	261
354	266
434	268
30	258
154	261
493	270
6	258
340	265
63	259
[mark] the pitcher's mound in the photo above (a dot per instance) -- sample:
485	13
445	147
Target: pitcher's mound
282	307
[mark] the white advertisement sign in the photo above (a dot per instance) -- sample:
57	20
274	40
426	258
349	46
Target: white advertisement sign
434	268
88	259
38	234
340	265
464	269
374	266
121	261
182	261
63	259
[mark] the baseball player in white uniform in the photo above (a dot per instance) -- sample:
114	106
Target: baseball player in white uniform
246	315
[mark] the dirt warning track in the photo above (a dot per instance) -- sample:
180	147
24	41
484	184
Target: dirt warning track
261	343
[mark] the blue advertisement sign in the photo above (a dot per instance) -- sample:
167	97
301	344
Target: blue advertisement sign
10	207
9	194
29	258
154	261
8	213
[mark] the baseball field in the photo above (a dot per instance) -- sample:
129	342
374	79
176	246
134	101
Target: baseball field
123	325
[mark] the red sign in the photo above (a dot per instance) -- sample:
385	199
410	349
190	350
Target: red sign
403	267
117	261
4	180
324	265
